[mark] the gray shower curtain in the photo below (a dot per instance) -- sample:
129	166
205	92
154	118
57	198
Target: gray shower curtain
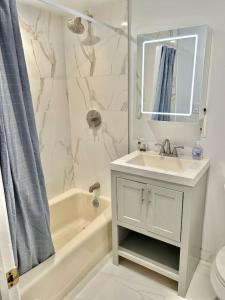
164	84
21	168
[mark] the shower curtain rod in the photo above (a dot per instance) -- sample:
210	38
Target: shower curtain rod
76	13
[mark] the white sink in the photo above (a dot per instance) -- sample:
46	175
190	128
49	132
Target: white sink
161	162
180	170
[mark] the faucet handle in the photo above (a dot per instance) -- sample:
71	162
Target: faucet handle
175	153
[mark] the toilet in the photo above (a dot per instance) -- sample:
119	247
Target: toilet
218	274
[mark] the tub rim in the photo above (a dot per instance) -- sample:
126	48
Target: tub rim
59	198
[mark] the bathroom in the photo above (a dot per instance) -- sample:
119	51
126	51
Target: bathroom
99	148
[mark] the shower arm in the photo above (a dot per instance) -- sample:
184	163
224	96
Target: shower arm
90	29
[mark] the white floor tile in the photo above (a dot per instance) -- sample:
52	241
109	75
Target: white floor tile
130	281
200	288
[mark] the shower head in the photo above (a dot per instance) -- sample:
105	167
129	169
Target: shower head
75	25
91	39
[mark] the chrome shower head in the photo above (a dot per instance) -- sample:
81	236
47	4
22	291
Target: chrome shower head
75	25
91	39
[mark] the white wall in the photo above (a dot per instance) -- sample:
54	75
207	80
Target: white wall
157	15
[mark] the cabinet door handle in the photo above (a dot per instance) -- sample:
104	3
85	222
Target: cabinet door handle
149	200
142	195
149	188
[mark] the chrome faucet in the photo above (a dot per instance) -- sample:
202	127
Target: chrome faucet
162	150
93	187
165	149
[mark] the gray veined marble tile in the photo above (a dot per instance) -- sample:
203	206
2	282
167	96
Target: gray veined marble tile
129	281
44	53
67	79
108	57
44	50
109	93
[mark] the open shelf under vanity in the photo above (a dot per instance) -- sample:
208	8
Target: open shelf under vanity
150	253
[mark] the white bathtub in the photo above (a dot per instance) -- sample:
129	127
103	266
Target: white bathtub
82	237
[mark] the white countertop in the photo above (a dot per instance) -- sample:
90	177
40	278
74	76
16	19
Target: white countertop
180	170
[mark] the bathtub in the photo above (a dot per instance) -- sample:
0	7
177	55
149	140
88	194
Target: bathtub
81	236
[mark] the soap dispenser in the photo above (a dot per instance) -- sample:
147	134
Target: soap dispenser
197	151
142	146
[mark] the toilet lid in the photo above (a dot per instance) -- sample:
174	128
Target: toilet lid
220	265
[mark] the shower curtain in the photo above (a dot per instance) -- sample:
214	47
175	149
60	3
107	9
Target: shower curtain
164	84
23	180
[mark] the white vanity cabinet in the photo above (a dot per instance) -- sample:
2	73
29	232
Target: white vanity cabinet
158	224
154	208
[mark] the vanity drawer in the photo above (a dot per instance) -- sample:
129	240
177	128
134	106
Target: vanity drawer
164	212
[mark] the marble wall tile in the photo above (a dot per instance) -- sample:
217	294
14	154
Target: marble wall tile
97	78
110	55
93	150
42	35
104	93
67	80
105	58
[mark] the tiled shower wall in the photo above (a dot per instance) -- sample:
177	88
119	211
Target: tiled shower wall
42	35
97	78
67	80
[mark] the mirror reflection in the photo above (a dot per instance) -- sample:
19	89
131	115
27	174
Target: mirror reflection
172	71
168	70
168	76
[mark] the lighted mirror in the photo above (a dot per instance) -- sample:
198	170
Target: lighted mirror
171	71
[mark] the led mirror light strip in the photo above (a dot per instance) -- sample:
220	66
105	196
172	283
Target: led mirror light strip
195	36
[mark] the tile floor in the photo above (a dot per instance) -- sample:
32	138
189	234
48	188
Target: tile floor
130	281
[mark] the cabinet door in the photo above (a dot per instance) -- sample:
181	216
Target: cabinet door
164	212
130	202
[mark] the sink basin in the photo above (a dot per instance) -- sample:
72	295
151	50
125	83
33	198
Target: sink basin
161	162
182	170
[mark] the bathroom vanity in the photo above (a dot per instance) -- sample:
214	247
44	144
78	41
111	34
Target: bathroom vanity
158	208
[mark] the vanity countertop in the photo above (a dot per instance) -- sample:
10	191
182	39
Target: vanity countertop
180	170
